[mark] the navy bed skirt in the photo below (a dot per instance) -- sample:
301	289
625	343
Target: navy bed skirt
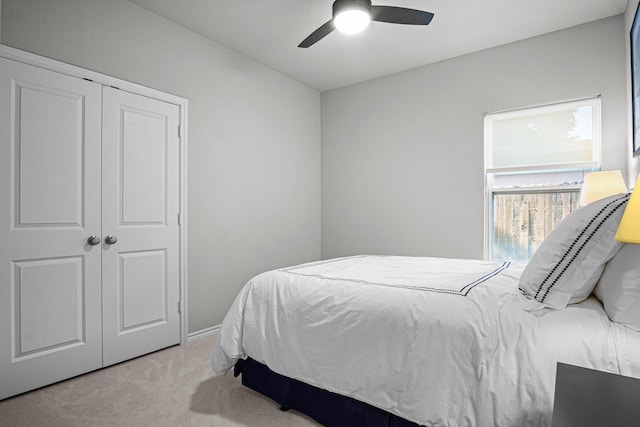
329	409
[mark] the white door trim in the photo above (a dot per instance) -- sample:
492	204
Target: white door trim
182	103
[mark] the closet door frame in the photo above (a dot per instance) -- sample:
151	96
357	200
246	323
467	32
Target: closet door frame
182	103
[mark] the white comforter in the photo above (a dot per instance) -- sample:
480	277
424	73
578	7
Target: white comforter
440	342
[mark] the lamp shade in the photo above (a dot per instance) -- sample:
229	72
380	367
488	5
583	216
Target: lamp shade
601	184
629	228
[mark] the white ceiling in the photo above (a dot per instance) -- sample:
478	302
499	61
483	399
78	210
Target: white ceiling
269	32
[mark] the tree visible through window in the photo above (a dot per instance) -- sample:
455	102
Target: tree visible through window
535	162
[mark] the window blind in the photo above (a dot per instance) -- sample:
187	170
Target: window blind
563	136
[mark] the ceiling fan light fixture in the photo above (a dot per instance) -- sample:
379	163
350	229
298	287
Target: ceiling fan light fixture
351	17
352	21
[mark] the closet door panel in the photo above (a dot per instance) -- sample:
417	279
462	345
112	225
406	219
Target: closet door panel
50	291
49	170
37	301
140	208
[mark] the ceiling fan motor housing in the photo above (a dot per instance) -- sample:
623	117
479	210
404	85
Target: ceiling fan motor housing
342	5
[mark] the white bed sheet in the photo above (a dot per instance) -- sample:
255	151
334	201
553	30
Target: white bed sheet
440	342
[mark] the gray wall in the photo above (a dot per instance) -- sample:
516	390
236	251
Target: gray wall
254	135
402	155
634	163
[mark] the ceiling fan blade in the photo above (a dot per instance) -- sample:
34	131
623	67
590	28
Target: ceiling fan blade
400	15
318	34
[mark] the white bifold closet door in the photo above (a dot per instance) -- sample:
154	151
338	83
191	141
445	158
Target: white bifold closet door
79	162
140	206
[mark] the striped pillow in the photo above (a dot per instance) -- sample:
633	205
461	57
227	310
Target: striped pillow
566	267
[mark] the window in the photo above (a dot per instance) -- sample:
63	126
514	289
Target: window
535	162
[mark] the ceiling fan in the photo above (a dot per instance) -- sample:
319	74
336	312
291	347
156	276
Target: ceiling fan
353	16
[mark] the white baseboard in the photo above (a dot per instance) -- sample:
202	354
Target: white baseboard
203	333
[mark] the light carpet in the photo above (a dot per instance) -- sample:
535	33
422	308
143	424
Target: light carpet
172	387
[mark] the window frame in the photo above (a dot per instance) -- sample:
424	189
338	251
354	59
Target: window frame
489	173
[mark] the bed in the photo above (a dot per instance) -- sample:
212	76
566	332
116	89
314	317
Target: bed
395	340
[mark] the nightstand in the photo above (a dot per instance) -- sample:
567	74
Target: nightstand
586	397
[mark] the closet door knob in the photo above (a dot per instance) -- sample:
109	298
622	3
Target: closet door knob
110	240
93	240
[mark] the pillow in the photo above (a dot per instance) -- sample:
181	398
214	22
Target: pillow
567	265
619	287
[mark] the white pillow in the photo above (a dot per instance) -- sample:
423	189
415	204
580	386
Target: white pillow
619	287
567	265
